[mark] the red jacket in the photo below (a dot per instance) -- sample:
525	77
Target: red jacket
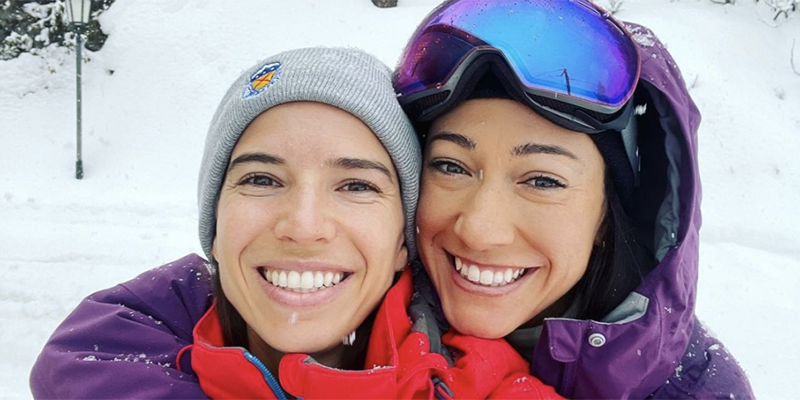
404	365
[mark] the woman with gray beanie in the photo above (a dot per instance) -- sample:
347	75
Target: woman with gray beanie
307	193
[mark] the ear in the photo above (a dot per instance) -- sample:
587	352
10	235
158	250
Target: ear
402	259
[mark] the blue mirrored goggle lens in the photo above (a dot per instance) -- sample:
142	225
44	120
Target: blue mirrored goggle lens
567	48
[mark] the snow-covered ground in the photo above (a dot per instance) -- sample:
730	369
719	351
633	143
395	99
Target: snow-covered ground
150	93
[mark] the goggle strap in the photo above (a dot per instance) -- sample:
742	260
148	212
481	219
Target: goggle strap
630	139
465	80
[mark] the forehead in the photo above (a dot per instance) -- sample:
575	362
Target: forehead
502	123
311	131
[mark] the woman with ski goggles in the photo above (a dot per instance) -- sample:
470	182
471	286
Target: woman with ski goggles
560	196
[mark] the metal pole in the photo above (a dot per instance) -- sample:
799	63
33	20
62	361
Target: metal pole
79	161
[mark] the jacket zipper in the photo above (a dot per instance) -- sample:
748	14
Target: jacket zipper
271	381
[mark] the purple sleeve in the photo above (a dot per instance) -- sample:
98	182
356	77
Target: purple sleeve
123	342
707	371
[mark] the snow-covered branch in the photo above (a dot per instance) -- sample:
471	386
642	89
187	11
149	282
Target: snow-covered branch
782	7
614	6
34	27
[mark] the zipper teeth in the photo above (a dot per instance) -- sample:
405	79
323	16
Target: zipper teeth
271	381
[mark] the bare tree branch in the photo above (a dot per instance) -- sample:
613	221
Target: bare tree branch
791	60
615	6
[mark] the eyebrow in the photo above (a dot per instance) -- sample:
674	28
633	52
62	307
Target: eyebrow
360	163
257	157
536	148
456	138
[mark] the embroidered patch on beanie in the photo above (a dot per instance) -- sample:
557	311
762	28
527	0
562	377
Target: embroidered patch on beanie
262	79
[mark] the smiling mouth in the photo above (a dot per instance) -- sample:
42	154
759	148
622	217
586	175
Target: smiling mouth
303	282
485	276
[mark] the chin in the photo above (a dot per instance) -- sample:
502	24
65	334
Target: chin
305	348
303	340
484	325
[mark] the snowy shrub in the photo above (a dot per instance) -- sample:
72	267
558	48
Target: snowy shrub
780	7
612	6
36	26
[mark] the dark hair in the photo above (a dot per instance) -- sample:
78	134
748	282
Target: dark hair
617	264
234	328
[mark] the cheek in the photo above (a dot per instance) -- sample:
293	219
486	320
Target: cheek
571	238
376	232
433	212
437	213
239	222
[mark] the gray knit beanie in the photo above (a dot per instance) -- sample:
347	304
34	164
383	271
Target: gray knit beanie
348	79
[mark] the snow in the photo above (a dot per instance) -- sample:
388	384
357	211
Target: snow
149	96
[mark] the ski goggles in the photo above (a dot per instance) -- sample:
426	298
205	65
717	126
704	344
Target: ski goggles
569	59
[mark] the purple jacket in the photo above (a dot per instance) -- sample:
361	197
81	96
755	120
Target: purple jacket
652	345
122	342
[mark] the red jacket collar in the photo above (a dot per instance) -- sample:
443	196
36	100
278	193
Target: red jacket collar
224	372
394	351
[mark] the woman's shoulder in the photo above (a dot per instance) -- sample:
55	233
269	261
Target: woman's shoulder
177	294
706	370
187	280
119	338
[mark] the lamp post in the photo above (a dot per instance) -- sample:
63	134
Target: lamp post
78	16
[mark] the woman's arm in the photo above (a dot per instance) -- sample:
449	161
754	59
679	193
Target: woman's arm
123	342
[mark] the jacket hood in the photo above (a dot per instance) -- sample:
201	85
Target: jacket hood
635	348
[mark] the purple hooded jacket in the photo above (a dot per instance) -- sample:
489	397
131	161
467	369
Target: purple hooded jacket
652	346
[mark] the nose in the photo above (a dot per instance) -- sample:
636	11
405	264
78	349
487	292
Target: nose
484	222
305	218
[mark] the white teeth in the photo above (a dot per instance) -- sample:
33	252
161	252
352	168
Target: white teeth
487	277
307	280
302	282
474	273
283	281
276	275
318	280
293	280
498	278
